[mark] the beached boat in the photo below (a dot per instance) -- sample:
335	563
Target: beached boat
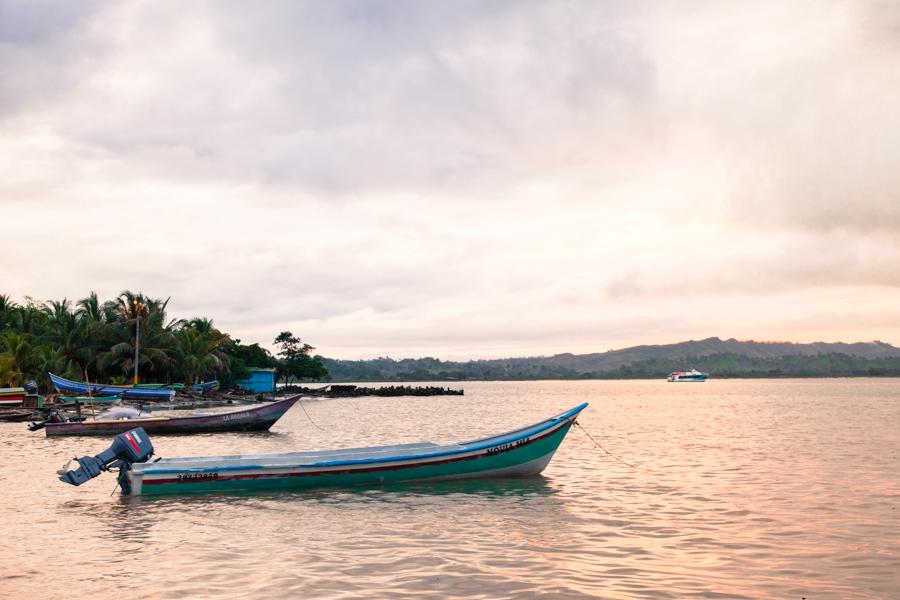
692	375
88	400
12	396
517	453
14	415
251	418
206	386
197	387
65	385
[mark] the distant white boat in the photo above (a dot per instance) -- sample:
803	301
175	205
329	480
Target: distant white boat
692	375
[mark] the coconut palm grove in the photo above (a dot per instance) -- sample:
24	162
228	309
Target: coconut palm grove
95	339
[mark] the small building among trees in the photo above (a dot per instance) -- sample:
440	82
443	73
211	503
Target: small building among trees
260	381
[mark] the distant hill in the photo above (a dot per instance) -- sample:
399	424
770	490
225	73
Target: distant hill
720	358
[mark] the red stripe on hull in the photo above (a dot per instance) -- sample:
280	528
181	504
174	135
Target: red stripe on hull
345	471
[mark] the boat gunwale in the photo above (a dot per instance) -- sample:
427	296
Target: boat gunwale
465	447
252	411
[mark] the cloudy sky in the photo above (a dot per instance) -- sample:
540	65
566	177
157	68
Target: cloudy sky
460	179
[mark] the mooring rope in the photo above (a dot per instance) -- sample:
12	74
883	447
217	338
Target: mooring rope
300	402
597	444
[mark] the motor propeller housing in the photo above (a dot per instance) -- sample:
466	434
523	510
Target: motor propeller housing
127	448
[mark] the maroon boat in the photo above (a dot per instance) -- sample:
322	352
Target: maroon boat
252	418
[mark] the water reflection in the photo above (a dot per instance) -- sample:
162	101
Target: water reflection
755	489
514	487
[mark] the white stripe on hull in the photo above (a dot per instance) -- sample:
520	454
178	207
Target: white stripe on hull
532	467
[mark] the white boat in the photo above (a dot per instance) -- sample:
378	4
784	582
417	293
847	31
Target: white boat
692	375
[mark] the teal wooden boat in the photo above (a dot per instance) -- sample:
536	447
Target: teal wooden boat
88	400
518	453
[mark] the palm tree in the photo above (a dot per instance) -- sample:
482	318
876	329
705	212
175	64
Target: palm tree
156	339
90	308
29	318
19	356
9	373
7	308
203	325
49	360
6	303
94	318
200	353
68	339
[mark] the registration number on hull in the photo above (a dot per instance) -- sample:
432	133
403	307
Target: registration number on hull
196	476
506	447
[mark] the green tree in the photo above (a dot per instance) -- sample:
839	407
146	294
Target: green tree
19	356
198	355
7	309
157	338
200	350
67	340
296	362
243	357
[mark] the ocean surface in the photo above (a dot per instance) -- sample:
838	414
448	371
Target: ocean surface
740	489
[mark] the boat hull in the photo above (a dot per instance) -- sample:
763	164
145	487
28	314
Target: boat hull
65	385
255	418
12	396
511	456
17	416
687	376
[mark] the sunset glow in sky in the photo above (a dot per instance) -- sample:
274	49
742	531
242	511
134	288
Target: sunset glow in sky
460	179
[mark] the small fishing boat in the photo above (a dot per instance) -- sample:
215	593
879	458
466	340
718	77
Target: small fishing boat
206	386
65	385
692	375
88	400
197	387
253	418
518	453
12	415
12	396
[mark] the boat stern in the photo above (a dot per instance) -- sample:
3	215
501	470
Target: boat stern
127	448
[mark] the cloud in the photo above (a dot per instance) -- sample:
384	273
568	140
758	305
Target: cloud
460	178
344	97
44	47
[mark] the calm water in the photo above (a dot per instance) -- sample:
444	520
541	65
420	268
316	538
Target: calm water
756	489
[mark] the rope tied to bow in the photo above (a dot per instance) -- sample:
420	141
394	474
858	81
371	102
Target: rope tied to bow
597	444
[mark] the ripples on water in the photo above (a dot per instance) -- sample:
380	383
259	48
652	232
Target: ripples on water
749	489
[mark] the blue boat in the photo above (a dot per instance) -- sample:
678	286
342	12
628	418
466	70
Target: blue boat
65	385
519	453
206	386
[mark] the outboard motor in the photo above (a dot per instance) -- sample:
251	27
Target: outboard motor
31	388
54	416
130	447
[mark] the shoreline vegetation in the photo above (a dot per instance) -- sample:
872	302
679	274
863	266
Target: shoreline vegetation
96	339
722	359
